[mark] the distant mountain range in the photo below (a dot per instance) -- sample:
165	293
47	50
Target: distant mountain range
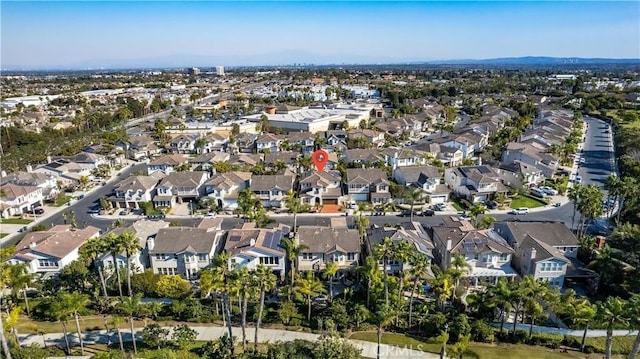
284	58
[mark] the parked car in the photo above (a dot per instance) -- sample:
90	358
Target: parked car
38	210
80	197
407	213
548	190
557	204
538	192
427	213
124	212
464	217
156	216
578	179
491	204
440	207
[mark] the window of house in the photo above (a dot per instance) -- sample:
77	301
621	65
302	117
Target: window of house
47	263
307	256
504	257
202	257
160	256
351	256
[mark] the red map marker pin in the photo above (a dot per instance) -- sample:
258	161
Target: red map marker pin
320	158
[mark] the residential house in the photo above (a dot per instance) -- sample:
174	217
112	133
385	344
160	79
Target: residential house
272	189
182	144
274	159
48	183
518	174
546	250
140	147
72	168
323	244
368	184
302	142
166	164
363	157
143	230
132	190
245	143
180	187
224	188
250	247
487	254
47	252
268	143
214	142
474	183
547	163
412	232
449	156
246	161
320	188
183	251
426	178
19	199
207	160
370	138
404	157
336	137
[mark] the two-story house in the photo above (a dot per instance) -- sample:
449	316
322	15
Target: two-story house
518	174
272	189
206	161
48	183
140	147
182	144
411	232
166	164
224	188
368	184
426	178
132	190
546	250
268	143
213	142
487	254
273	160
51	250
324	244
183	251
357	157
249	247
302	142
527	153
370	137
19	199
320	188
404	157
449	156
474	183
180	187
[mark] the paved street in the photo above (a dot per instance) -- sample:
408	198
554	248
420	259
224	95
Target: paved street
598	153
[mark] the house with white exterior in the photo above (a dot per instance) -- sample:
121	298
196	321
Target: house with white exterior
132	190
302	142
224	188
48	183
474	183
518	174
358	157
179	187
214	142
184	143
166	164
527	153
183	251
268	143
404	157
487	254
426	178
328	244
249	247
140	147
272	189
368	184
49	251
19	199
546	250
207	160
412	232
320	188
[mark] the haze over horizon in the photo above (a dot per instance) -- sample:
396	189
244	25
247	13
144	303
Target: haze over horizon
156	34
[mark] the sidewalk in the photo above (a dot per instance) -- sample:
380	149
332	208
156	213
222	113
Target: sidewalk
369	349
592	333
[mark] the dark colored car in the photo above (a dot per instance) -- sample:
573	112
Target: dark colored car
491	204
156	216
38	210
427	213
407	213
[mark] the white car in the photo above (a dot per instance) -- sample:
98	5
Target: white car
521	210
548	190
578	179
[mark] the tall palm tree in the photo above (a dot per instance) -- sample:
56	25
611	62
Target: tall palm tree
130	306
611	313
629	190
330	271
537	292
92	250
371	271
115	322
614	185
502	293
574	194
18	279
243	279
59	311
590	206
75	303
383	318
519	293
292	250
583	312
413	195
265	280
383	251
402	252
295	206
420	266
458	268
633	310
221	276
442	287
309	286
114	244
131	246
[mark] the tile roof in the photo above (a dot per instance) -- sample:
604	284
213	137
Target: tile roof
327	239
229	179
270	182
240	240
174	160
183	179
59	241
181	239
366	175
136	183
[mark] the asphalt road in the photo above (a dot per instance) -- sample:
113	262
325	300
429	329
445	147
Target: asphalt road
598	153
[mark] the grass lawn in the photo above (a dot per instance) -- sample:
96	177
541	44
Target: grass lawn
62	201
522	201
478	350
457	206
16	221
2	235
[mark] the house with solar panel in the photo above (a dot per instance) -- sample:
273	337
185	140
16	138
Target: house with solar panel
474	183
249	247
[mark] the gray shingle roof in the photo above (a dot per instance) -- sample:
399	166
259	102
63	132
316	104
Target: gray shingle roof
179	239
327	240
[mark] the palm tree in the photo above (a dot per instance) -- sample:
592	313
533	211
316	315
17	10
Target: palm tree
383	251
383	318
413	195
614	185
295	206
330	271
502	294
590	206
629	190
292	250
477	209
59	311
611	313
309	286
633	310
131	246
130	306
93	249
243	280
583	312
18	278
459	267
443	288
371	271
75	303
221	274
519	293
265	280
574	195
420	266
402	252
115	246
115	322
537	292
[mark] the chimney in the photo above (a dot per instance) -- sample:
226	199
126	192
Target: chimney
479	161
449	244
533	254
48	159
32	245
4	173
29	169
151	243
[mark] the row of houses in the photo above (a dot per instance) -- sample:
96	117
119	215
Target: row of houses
546	250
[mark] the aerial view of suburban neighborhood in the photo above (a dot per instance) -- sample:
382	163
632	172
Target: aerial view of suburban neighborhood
391	202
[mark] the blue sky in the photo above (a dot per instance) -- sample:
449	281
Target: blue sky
41	34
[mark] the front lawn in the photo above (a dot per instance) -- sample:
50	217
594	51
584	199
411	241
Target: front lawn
62	201
2	235
523	201
16	221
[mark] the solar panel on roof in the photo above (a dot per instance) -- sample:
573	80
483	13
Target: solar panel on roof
483	169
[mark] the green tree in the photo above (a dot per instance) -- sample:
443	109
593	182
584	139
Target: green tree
574	195
295	206
287	311
383	317
334	347
633	311
221	275
402	252
263	125
130	306
457	269
383	251
611	313
292	250
310	287
243	280
131	246
420	268
184	336
75	303
265	280
330	271
154	336
371	271
413	195
174	287
113	243
477	209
